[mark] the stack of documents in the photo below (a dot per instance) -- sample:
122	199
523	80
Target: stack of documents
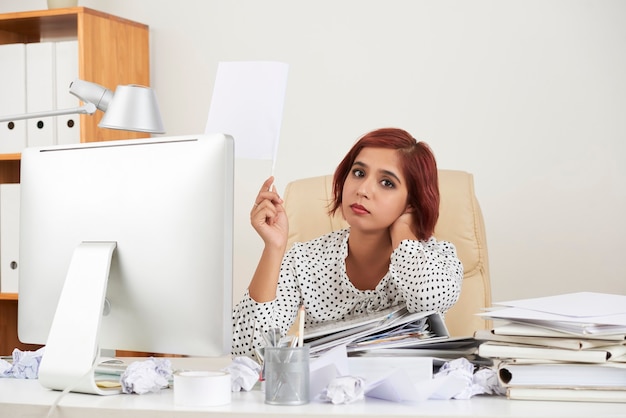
565	347
392	328
394	332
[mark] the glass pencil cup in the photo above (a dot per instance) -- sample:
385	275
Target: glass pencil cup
286	375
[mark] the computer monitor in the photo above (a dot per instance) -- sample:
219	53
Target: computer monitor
149	224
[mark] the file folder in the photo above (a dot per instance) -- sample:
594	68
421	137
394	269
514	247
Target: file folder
66	71
40	93
12	97
9	237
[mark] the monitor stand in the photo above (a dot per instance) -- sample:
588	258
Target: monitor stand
72	349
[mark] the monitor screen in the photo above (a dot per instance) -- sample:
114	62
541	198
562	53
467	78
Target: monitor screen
163	208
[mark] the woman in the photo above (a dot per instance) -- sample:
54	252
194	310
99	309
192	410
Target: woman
386	188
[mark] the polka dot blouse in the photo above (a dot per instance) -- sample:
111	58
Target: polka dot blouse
426	275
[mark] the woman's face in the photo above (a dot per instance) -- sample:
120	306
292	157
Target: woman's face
374	193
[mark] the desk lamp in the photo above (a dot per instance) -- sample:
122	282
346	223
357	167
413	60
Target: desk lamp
130	108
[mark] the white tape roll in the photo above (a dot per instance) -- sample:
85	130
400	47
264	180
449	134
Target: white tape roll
198	388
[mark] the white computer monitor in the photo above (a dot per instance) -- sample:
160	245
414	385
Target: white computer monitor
149	224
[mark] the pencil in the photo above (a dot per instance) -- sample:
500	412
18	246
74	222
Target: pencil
301	314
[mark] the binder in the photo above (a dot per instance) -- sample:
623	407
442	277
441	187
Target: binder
40	93
562	375
66	71
9	237
492	349
12	97
567	394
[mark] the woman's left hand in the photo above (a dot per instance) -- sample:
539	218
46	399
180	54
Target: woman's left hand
402	229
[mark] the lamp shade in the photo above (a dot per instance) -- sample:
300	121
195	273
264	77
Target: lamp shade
133	108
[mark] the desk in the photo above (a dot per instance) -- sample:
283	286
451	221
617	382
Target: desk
27	398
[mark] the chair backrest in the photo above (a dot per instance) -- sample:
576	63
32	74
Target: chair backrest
460	222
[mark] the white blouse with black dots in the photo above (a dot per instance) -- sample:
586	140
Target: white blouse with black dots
426	275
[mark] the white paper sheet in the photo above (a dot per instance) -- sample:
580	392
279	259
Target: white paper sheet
325	368
397	379
584	313
616	323
247	103
582	304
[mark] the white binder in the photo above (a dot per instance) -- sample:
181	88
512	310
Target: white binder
12	97
9	237
40	91
66	69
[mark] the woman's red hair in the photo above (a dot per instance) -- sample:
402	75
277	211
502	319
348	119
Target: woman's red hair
418	166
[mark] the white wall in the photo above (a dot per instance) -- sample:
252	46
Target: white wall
528	95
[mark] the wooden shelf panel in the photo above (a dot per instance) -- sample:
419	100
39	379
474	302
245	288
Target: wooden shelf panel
8	328
32	26
9	170
11	157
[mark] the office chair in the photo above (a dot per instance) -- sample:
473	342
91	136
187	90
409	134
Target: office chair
460	222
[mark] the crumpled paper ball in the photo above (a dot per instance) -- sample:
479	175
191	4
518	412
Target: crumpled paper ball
244	373
25	364
343	390
146	376
484	381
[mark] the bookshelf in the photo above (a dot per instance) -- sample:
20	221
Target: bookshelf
112	51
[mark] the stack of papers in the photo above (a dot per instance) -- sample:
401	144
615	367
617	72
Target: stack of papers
392	328
564	347
584	313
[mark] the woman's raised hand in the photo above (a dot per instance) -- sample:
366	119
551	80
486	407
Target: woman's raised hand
268	216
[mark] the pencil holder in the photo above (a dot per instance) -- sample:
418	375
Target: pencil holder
286	375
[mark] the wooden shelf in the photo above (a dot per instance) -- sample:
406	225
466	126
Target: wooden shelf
11	157
112	51
29	27
32	26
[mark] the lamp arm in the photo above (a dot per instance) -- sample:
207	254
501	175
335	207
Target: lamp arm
86	109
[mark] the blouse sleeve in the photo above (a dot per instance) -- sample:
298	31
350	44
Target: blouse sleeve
251	319
428	274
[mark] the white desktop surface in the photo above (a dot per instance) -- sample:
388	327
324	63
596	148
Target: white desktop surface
27	398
